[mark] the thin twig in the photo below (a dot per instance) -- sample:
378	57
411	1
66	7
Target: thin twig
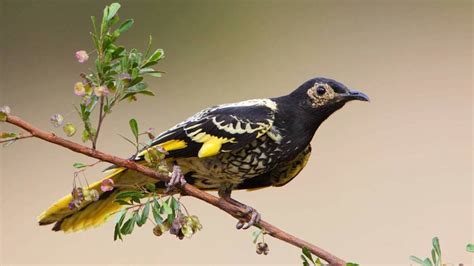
101	118
186	189
16	138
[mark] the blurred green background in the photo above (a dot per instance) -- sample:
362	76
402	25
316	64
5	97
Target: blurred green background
384	177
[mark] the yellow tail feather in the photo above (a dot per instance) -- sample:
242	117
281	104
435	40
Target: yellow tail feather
93	214
89	215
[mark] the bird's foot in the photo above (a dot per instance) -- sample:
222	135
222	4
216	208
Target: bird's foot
254	218
177	178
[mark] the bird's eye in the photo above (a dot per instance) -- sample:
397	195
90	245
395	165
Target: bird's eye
320	90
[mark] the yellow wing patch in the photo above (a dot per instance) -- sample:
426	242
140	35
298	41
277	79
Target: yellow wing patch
211	145
172	145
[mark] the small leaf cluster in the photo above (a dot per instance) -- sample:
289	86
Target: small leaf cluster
118	73
136	135
307	257
166	214
435	255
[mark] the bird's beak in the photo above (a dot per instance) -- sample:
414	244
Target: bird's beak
356	95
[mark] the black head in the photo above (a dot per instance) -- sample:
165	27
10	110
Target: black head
323	95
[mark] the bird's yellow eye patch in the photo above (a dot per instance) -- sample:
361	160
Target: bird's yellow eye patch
320	94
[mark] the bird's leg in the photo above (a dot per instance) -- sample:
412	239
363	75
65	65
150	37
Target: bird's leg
224	194
177	178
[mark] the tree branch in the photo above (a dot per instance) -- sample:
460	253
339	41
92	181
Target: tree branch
185	189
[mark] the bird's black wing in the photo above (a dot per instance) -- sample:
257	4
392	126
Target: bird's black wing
223	128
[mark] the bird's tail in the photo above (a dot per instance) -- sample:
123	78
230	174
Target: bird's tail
91	214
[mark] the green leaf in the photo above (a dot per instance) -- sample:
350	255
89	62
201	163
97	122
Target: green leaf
136	216
129	194
3	116
157	55
436	246
128	226
118	52
156	212
156	74
347	264
120	216
117	234
79	165
113	8
94	25
114	20
470	248
307	253
148	47
127	24
148	93
305	261
134	127
427	262
104	24
165	208
416	260
123	202
174	204
145	213
433	256
318	262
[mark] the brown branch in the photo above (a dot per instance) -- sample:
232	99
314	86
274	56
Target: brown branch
185	189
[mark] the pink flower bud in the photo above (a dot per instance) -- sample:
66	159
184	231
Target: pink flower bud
101	91
82	56
107	185
79	89
151	133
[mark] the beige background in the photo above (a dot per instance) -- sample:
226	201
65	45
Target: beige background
384	177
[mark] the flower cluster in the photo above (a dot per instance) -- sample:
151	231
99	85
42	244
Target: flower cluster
184	226
81	195
85	194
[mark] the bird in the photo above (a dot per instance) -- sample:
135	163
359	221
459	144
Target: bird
246	145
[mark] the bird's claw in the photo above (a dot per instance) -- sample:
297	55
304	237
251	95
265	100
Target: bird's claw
254	219
177	178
